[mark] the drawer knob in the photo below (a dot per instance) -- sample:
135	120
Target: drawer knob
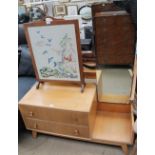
76	132
31	113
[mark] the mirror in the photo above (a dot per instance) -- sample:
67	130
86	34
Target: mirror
85	12
114	85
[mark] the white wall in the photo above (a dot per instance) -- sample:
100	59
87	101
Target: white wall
79	3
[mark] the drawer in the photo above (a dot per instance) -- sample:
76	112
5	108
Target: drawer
110	59
112	21
56	115
113	30
110	40
57	128
115	50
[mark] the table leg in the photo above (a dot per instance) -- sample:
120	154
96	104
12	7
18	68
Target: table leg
125	148
34	134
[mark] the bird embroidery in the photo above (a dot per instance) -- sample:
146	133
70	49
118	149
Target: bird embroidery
50	59
49	40
69	58
38	32
45	52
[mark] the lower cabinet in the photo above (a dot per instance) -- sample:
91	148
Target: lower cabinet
77	115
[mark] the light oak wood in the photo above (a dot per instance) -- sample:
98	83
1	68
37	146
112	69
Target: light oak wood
89	73
112	107
69	105
134	80
125	149
62	110
62	97
51	114
99	84
54	127
34	134
111	98
134	149
132	123
92	115
113	127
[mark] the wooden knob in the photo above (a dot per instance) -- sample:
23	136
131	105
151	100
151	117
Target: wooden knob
76	132
31	113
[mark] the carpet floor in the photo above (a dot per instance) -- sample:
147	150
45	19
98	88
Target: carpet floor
51	145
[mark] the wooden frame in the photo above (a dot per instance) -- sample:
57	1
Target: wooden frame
134	81
114	95
48	73
72	10
59	10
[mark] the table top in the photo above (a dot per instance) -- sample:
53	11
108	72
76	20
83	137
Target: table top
61	96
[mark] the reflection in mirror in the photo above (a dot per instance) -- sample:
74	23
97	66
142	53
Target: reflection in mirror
114	85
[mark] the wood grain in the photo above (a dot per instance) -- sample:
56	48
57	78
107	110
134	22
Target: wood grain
57	115
60	96
54	127
112	107
114	38
113	127
134	81
92	116
62	110
125	149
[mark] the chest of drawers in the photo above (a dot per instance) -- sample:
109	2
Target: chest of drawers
114	38
59	109
62	110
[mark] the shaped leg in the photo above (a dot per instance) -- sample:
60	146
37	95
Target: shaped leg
34	134
125	148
